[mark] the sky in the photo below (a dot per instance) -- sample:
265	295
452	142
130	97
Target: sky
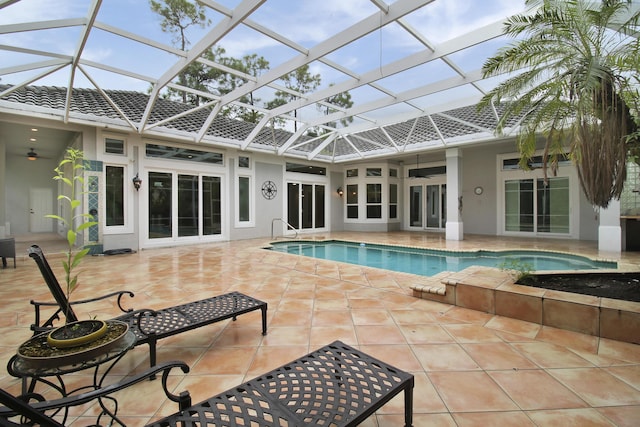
306	22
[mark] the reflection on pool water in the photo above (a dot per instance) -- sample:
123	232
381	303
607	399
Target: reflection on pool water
428	262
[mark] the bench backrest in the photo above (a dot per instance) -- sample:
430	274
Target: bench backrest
54	287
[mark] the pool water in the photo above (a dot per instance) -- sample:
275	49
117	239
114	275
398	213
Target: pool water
428	262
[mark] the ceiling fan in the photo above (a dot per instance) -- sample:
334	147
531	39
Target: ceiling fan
32	155
419	172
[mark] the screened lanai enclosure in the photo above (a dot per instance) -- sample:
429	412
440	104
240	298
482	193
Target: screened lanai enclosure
238	117
327	81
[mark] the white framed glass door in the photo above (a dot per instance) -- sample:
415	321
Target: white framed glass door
306	206
183	206
428	206
537	205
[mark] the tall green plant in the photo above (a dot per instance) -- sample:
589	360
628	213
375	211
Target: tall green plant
73	161
571	60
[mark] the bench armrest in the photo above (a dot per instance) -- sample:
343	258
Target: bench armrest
18	408
48	324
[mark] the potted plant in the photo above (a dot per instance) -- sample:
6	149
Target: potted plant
70	171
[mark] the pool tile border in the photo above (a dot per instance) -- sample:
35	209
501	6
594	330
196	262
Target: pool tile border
454	251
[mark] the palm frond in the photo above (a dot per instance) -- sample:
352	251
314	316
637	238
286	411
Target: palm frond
575	65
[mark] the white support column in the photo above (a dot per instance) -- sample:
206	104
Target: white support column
609	230
454	226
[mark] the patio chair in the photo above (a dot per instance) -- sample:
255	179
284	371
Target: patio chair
335	385
148	325
8	250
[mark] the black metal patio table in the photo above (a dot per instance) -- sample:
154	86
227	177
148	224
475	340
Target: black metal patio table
335	385
30	374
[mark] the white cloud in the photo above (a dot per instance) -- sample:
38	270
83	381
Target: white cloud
447	19
311	21
42	10
97	55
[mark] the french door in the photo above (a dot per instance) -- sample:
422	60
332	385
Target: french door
183	205
428	206
306	206
537	205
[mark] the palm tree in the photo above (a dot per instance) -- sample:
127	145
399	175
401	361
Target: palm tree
579	62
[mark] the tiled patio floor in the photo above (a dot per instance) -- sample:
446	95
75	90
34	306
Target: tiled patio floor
471	368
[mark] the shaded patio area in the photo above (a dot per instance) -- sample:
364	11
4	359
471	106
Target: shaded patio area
471	367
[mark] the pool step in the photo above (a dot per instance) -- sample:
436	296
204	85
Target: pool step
436	290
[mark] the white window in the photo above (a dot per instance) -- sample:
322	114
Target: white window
374	200
244	205
115	145
116	199
114	195
244	162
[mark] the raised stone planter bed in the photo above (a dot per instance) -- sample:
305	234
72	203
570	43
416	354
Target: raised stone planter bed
494	291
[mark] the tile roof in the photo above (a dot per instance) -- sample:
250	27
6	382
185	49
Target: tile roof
175	119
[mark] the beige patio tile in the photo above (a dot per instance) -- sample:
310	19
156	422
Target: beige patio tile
371	317
597	387
622	416
224	361
412	317
379	334
471	333
431	420
497	356
425	334
471	368
573	340
470	392
287	335
627	373
322	335
586	417
332	318
444	357
483	419
534	389
548	355
514	326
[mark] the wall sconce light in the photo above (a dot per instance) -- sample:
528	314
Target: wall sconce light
137	182
339	191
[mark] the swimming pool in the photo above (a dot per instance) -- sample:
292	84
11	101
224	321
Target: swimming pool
428	262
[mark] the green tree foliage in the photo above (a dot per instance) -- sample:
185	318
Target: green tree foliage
211	74
177	16
200	77
342	101
208	75
299	81
574	62
249	66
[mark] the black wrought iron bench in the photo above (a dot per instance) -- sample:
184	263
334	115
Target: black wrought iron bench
335	385
148	325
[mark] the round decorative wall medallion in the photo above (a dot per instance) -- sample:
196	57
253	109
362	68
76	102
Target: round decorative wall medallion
269	190
478	190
